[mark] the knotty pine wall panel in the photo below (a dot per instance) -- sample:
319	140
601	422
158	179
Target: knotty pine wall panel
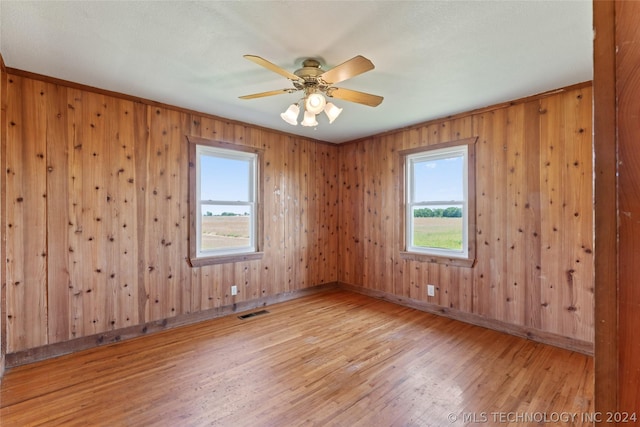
96	200
534	216
26	207
166	224
97	214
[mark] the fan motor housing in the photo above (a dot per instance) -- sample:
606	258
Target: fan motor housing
309	72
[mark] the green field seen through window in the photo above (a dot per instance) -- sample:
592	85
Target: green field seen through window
438	232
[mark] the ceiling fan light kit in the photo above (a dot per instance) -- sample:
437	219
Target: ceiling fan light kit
291	115
316	84
314	103
332	111
309	119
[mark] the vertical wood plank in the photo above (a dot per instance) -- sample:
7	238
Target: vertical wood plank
26	216
121	202
351	218
272	269
303	252
369	166
551	209
578	216
497	238
463	277
76	239
314	227
167	214
141	122
292	194
388	202
532	221
317	207
332	204
58	280
482	285
95	157
516	195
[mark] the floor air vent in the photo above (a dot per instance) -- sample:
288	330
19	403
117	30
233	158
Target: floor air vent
254	314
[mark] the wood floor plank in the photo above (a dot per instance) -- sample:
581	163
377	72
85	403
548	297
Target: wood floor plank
335	358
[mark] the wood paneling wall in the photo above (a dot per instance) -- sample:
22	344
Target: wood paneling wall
534	221
97	214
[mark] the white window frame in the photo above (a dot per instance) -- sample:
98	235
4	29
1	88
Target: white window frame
252	159
199	147
408	158
441	154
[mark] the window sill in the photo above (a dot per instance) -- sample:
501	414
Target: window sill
457	262
224	259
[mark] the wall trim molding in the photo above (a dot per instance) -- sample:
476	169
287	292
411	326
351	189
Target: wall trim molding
50	351
532	334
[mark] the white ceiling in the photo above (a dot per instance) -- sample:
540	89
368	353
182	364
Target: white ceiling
432	58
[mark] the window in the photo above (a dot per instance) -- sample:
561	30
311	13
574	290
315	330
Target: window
439	204
224	202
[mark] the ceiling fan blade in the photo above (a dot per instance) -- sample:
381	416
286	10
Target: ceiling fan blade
351	68
273	67
270	93
355	96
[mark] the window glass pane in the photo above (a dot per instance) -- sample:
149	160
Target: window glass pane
438	179
225	227
438	227
225	179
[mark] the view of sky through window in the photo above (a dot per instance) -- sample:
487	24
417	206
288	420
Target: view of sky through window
224	179
445	174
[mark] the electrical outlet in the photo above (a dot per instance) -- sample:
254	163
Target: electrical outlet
431	290
234	290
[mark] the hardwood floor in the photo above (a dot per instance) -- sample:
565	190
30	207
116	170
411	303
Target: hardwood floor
334	358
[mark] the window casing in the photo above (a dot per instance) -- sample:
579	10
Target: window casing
224	202
439	203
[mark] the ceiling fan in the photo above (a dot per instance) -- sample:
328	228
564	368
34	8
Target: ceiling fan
316	83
